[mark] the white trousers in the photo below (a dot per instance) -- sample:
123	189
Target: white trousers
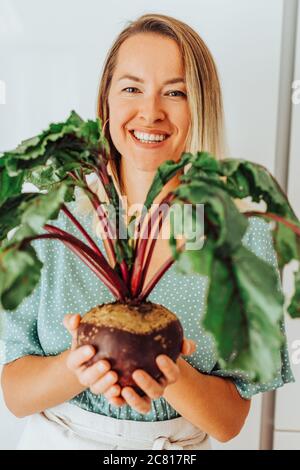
67	427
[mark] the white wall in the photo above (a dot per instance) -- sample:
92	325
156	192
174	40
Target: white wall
51	54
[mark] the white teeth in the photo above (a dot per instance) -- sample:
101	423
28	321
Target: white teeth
149	137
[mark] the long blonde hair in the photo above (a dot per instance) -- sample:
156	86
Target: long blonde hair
206	131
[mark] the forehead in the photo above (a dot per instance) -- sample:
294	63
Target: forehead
149	54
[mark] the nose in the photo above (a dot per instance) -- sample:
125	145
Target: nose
151	109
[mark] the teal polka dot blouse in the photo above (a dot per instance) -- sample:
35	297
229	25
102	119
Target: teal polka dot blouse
68	286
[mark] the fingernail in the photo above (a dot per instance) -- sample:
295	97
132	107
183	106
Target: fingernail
102	367
138	375
162	361
87	351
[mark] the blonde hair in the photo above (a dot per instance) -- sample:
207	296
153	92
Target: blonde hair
206	131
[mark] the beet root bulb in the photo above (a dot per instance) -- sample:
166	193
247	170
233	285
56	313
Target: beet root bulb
130	337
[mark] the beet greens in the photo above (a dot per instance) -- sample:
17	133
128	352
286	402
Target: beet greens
244	304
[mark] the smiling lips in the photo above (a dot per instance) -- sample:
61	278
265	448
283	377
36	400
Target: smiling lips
149	140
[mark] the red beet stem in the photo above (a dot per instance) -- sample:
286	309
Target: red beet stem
155	279
137	272
157	276
153	239
103	176
110	274
81	229
86	258
103	217
73	176
104	179
276	218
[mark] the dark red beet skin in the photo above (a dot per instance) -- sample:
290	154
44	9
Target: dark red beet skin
127	351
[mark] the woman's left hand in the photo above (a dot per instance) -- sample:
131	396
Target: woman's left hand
153	389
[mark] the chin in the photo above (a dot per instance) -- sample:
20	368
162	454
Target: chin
148	163
148	166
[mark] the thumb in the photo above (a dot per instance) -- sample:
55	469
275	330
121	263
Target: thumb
71	323
188	347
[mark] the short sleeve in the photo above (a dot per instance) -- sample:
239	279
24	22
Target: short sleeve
258	239
18	328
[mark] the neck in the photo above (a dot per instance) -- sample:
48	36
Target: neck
137	183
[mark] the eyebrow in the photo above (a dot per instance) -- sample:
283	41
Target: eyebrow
140	80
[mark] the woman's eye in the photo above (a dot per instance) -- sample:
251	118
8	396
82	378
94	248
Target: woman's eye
129	88
177	91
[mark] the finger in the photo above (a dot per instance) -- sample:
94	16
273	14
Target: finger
151	387
103	384
71	322
117	401
140	404
89	375
79	356
188	347
168	367
113	392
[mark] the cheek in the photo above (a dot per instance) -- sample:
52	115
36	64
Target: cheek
118	131
118	118
119	123
120	108
186	118
181	117
183	125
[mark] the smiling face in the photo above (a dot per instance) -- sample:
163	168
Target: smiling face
146	103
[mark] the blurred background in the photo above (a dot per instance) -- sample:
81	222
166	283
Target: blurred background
51	57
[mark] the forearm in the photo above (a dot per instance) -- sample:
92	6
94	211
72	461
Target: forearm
210	403
33	383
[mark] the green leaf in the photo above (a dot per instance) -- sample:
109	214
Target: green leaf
224	316
244	310
287	244
11	212
294	307
251	179
198	254
196	261
205	168
9	186
223	222
30	211
19	265
19	275
65	146
164	173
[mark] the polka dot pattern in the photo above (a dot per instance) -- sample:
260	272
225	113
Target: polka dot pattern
68	286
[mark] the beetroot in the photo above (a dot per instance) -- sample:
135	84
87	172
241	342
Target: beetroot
130	336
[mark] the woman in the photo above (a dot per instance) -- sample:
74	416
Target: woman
159	78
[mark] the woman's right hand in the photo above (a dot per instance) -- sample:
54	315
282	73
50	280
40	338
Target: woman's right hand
99	377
